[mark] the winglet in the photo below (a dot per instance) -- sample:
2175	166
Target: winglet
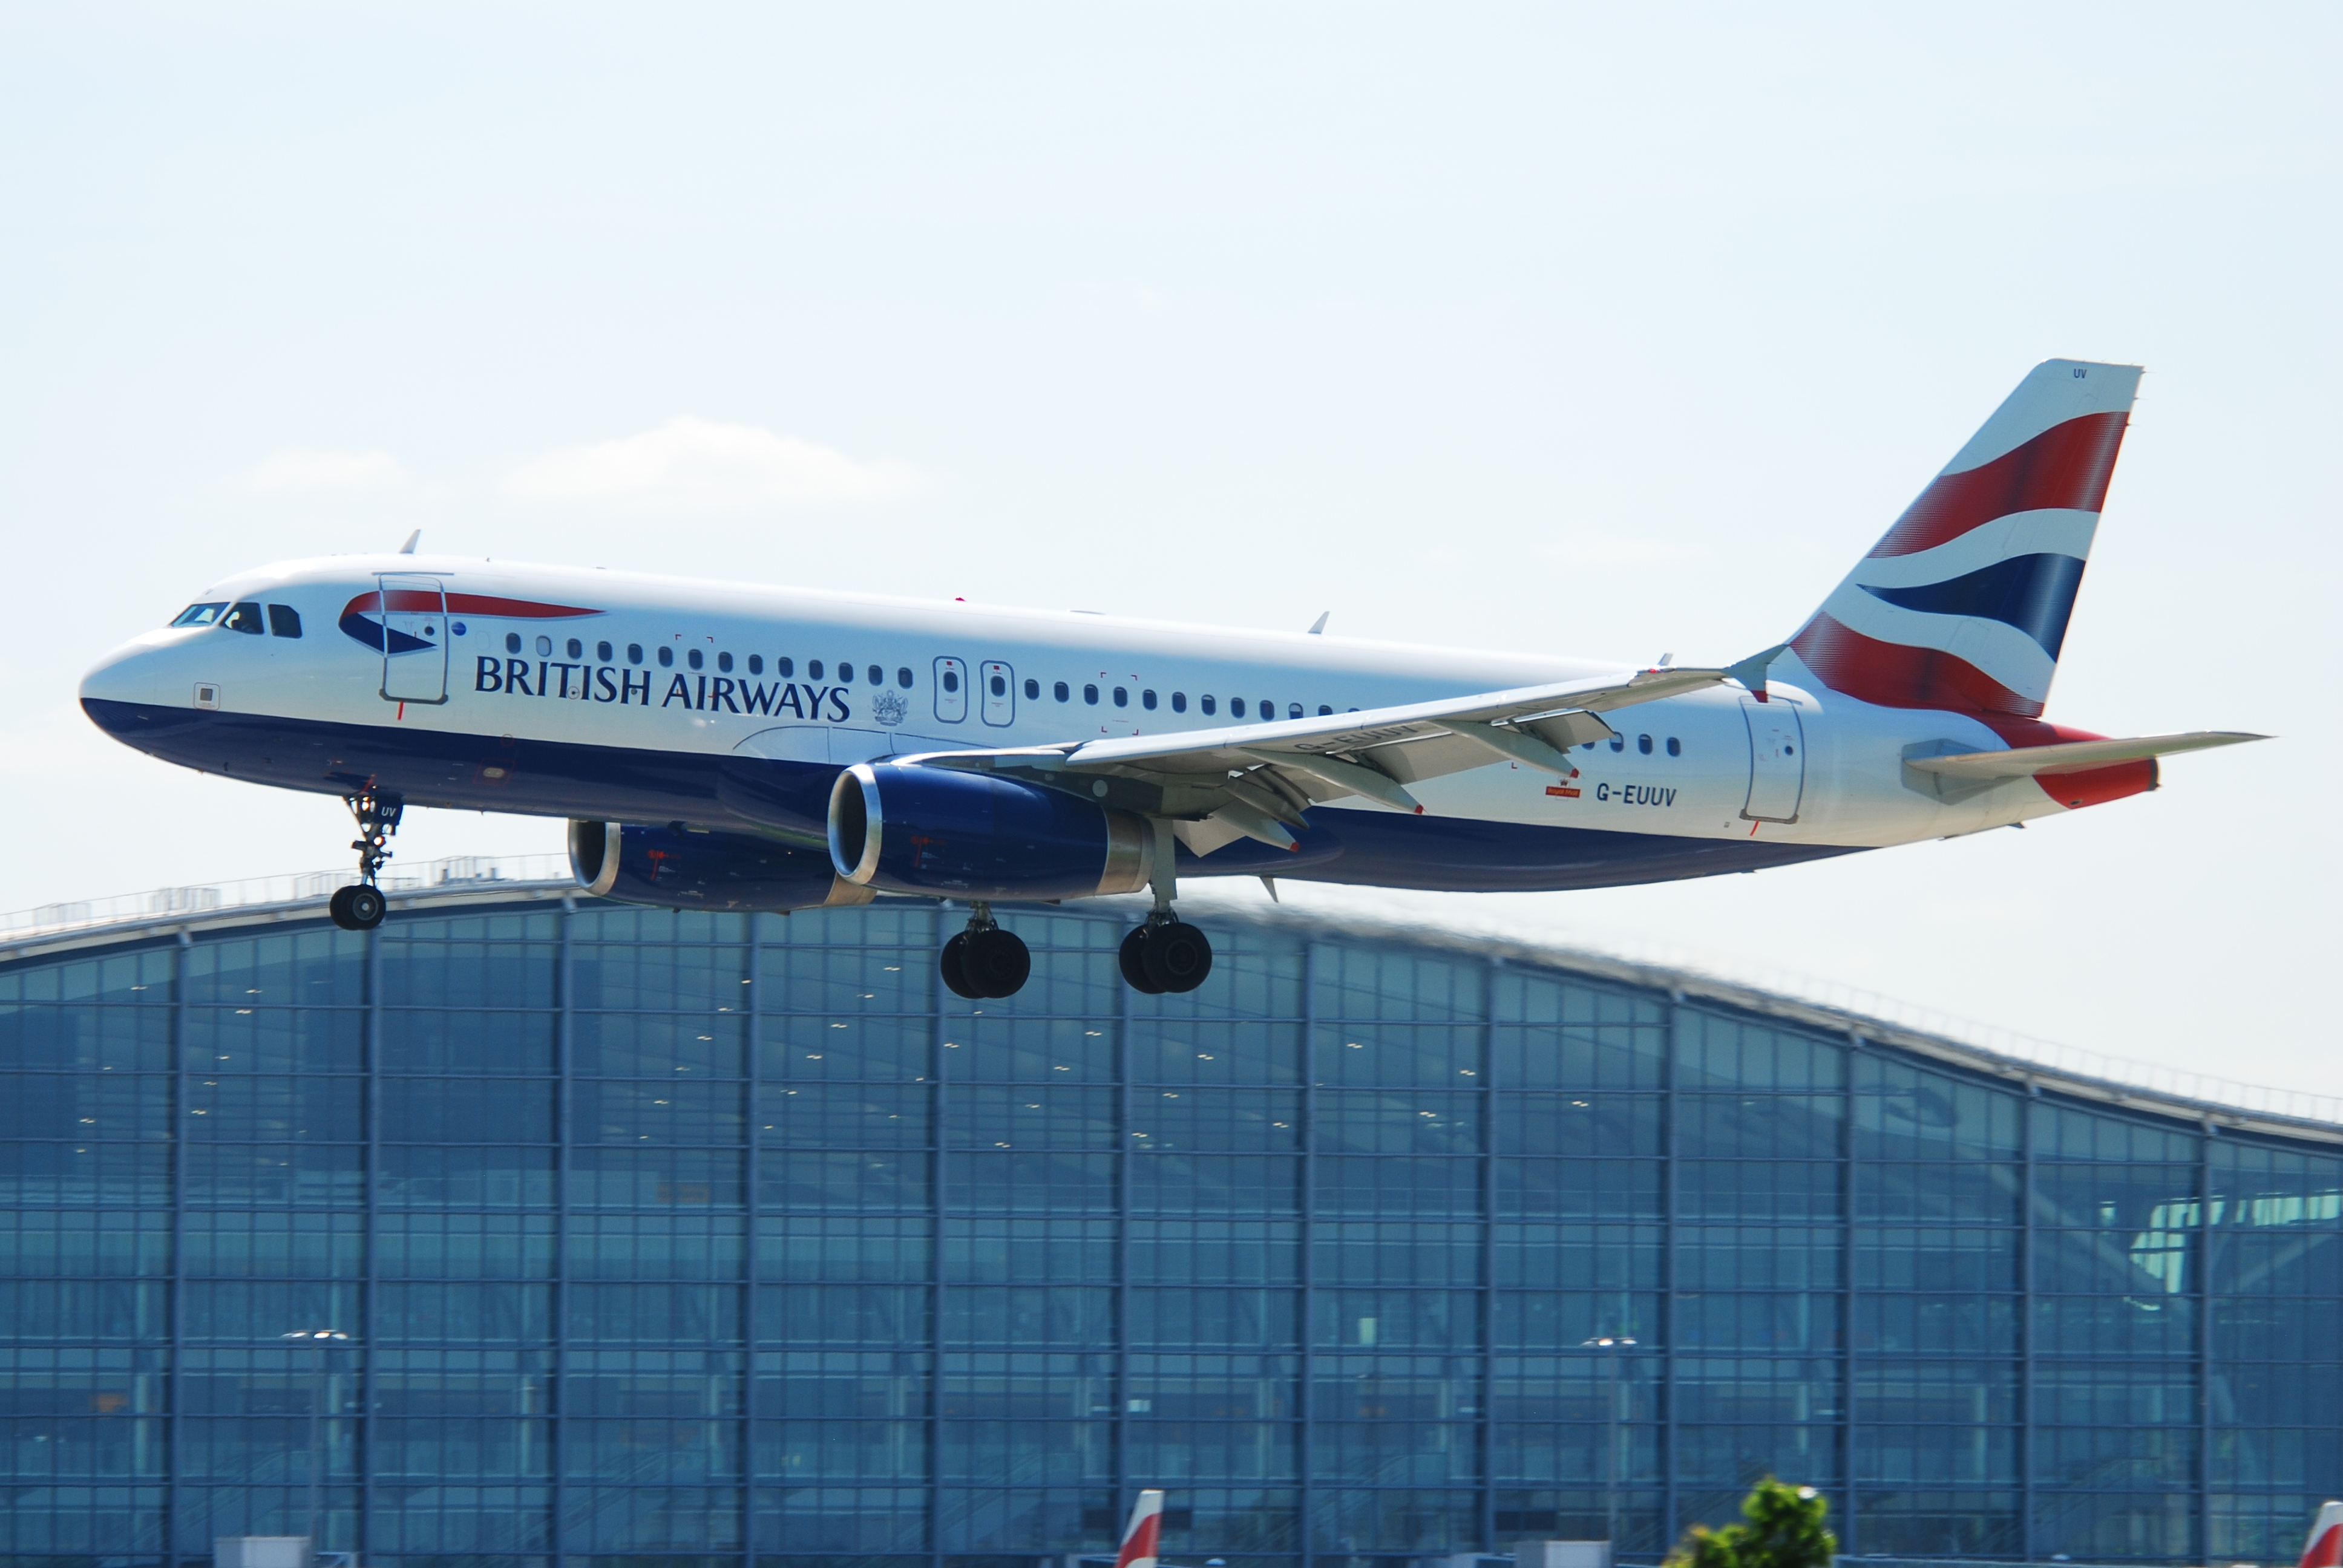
1318	627
1751	671
412	540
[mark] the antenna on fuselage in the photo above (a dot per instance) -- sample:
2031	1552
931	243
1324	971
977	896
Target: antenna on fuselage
1318	627
412	540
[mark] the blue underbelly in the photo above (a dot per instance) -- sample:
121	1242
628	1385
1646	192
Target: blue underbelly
790	800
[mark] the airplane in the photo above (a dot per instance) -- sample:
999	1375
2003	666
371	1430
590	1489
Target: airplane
1143	1535
2324	1547
718	746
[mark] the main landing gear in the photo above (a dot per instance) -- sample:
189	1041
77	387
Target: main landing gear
984	960
1165	953
360	907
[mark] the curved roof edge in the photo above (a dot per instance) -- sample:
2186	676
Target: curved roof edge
541	879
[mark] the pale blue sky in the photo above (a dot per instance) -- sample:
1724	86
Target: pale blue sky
1607	331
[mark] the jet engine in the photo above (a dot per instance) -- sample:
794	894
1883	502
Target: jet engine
952	833
679	870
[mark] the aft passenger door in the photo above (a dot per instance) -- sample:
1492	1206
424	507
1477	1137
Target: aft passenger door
1777	760
414	612
1000	693
951	691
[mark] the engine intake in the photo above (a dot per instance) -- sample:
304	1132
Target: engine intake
909	829
676	870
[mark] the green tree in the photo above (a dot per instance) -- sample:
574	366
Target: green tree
1784	1530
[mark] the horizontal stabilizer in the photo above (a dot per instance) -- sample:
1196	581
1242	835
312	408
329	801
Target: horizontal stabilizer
2071	756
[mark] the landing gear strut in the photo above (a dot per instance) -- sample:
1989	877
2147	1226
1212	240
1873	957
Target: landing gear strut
360	907
1165	953
984	960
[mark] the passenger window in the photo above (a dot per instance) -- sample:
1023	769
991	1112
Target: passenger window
545	647
1268	710
877	675
1618	743
1089	695
904	677
246	619
602	651
1643	744
785	668
1060	691
724	662
198	615
693	658
1147	700
1676	747
634	653
1179	702
1121	698
577	648
1206	703
1033	688
814	672
756	664
667	656
845	672
1293	711
284	621
1323	710
1236	706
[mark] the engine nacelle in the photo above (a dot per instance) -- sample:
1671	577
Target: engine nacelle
944	831
703	871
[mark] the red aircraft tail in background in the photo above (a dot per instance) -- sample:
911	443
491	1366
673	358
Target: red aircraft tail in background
1146	1528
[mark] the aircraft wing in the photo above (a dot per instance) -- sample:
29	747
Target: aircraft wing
1254	780
2071	756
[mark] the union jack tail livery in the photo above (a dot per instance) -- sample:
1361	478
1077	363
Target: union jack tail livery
1962	607
2325	1549
1145	1529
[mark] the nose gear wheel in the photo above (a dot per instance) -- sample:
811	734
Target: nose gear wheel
360	907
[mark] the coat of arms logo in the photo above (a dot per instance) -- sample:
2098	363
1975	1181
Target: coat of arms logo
888	708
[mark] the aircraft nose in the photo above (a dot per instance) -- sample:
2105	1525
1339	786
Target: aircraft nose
140	672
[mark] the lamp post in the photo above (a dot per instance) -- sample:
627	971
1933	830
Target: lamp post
1610	1345
323	1341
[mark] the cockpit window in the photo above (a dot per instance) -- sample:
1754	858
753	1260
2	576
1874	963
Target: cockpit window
244	617
199	614
284	621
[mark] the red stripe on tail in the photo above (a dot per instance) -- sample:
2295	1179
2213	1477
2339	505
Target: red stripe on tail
1895	675
2066	465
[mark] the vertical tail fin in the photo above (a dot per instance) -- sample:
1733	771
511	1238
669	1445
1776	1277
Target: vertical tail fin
2325	1548
1964	605
1140	1535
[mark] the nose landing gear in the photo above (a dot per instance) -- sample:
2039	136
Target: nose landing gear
360	907
984	960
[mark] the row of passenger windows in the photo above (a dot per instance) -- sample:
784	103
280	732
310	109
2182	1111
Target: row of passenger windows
845	672
284	621
1642	744
280	619
1121	697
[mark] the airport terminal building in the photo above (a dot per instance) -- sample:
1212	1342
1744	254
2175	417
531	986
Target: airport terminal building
692	1240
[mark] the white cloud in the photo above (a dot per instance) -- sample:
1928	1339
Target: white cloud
1589	547
703	465
303	471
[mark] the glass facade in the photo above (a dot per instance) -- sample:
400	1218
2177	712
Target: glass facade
716	1239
